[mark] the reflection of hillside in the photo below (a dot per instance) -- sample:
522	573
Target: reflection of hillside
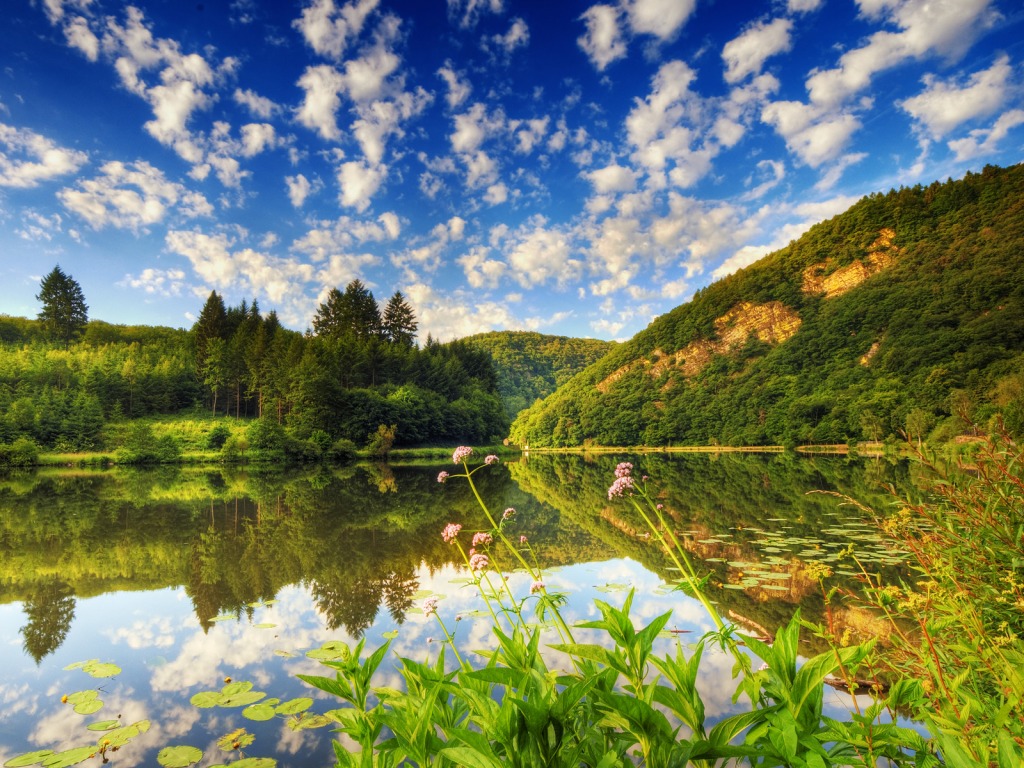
720	504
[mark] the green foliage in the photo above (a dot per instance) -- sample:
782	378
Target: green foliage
23	452
379	443
936	334
141	446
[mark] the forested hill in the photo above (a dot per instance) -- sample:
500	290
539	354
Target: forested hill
905	314
533	365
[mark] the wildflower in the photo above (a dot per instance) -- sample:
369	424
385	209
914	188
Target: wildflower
537	586
660	506
461	454
508	513
490	459
522	540
442	477
620	486
481	539
624	469
450	532
479	562
430	606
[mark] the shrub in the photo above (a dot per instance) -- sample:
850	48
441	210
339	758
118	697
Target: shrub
217	437
23	452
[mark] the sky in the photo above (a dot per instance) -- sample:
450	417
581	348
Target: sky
573	168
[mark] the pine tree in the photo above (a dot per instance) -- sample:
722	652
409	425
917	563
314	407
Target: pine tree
210	325
65	312
399	323
328	315
353	313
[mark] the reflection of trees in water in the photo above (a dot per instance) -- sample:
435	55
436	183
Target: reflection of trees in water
352	600
49	611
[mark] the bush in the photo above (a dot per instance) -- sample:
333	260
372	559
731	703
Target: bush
142	447
234	449
23	452
217	437
343	450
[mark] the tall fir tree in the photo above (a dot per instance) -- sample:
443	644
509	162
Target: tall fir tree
399	322
64	312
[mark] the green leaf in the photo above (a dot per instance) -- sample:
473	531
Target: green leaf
206	699
469	757
308	722
89	707
294	706
80	697
29	758
179	756
241	699
103	725
102	669
240	686
255	762
69	757
259	712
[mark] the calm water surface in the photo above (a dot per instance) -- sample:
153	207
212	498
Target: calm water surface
185	578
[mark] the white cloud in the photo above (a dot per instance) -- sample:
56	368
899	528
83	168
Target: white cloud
359	182
457	315
299	188
55	8
835	171
322	84
603	41
945	28
983	141
131	196
944	105
36	226
772	172
539	254
468	11
803	6
328	29
518	36
480	270
612	178
661	18
496	194
531	134
474	127
458	88
745	55
28	158
365	77
161	282
812	133
80	36
259	106
257	137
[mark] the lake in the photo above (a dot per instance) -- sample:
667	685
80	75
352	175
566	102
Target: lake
183	578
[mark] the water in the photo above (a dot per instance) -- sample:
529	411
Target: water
186	578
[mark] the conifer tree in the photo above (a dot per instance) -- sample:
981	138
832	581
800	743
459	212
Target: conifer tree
399	322
64	312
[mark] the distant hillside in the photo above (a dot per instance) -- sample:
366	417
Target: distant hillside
903	314
532	365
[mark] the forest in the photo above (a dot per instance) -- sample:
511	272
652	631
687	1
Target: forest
355	375
902	317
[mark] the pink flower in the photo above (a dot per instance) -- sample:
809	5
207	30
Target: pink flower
522	539
508	513
450	532
430	606
620	486
479	562
462	453
660	506
490	459
481	539
537	586
442	477
624	469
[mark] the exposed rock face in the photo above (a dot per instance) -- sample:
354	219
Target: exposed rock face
772	323
881	254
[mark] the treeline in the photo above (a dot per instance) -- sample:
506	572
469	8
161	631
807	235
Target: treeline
929	345
356	370
532	365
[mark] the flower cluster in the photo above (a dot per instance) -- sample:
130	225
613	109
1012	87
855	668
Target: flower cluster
478	561
450	532
461	453
442	477
430	606
620	486
536	587
623	469
490	459
507	514
481	539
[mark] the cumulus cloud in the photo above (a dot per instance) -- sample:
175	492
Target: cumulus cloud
745	55
518	36
468	12
771	173
39	227
132	196
814	134
328	29
359	182
158	282
27	158
259	106
983	141
612	178
480	270
299	188
80	36
603	40
943	105
945	28
661	18
458	88
322	85
538	254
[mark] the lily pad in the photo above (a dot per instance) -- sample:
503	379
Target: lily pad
29	758
237	739
308	722
253	762
261	711
241	699
206	699
294	706
69	757
103	725
179	756
264	625
89	707
285	654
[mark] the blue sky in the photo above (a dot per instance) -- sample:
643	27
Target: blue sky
573	168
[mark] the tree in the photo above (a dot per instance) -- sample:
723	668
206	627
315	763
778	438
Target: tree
399	323
65	312
352	313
